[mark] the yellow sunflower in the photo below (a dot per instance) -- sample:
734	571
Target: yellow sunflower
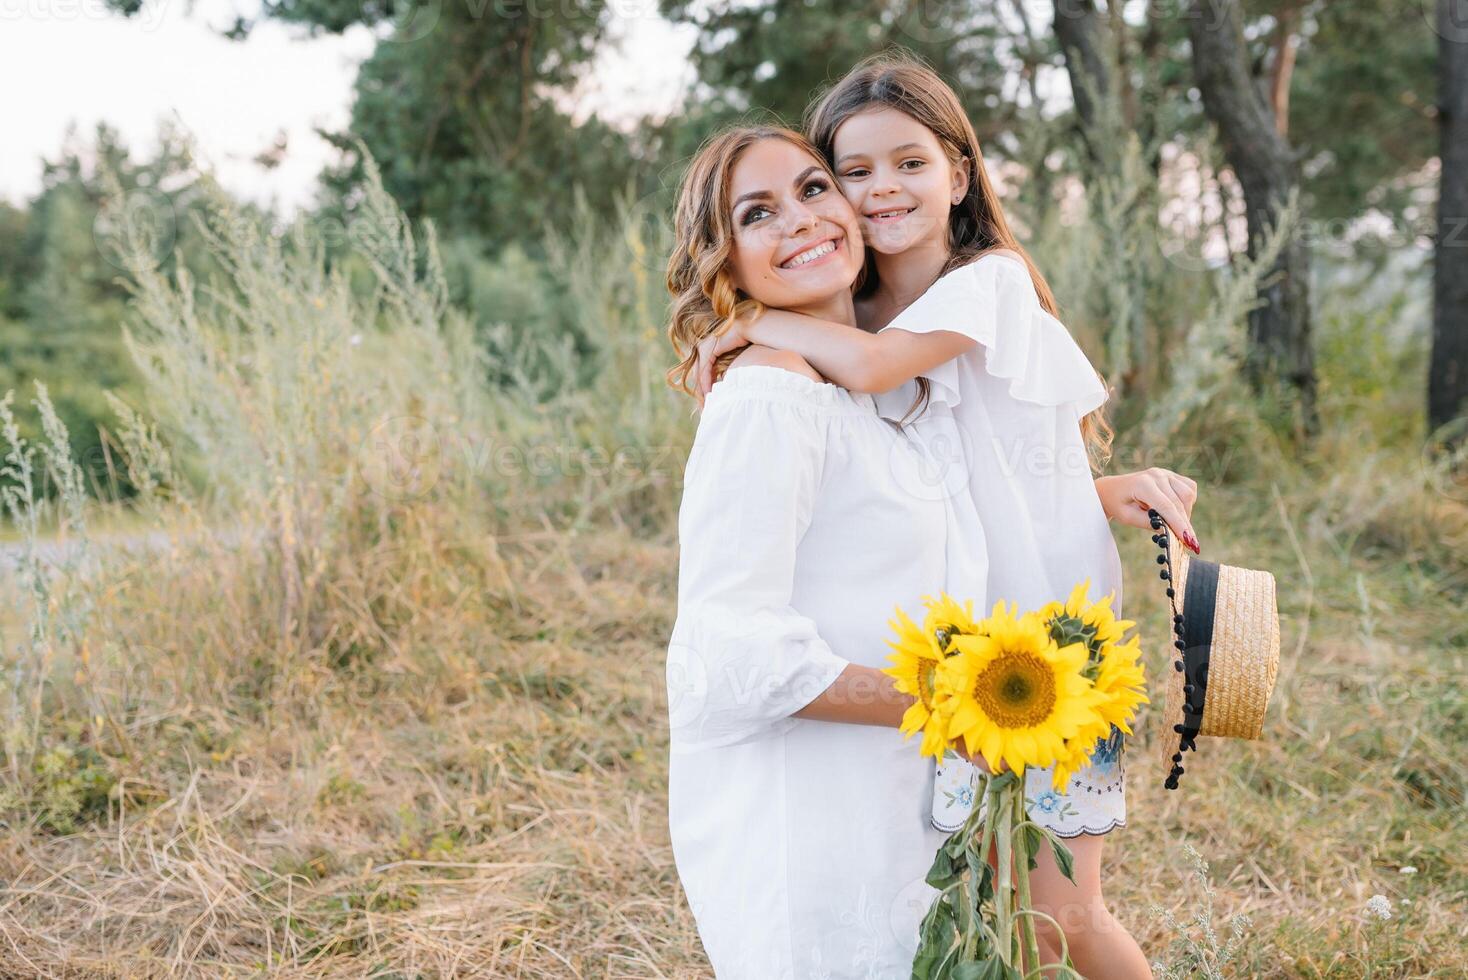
1123	681
1077	753
1012	693
1075	620
947	618
914	664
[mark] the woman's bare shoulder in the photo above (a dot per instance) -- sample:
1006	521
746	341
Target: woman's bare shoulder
757	355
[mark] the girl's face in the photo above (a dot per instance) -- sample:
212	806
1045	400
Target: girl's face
895	174
796	239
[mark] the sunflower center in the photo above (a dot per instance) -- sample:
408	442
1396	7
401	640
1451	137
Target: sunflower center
926	671
1016	691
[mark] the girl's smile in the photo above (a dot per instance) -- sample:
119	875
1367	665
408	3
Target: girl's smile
890	215
896	174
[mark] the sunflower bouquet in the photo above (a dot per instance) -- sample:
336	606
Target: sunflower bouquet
1033	689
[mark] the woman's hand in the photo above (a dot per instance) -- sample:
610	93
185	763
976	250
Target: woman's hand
978	760
1127	497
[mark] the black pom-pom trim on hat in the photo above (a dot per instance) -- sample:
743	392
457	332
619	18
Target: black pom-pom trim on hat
1186	733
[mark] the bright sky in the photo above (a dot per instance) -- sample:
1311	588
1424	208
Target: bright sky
64	61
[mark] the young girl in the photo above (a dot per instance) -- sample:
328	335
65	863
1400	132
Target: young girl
952	308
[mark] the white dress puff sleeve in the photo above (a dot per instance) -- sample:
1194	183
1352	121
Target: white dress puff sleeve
992	300
741	660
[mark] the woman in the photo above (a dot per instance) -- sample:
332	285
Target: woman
798	813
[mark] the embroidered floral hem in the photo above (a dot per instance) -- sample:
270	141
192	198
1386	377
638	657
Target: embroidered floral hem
1094	803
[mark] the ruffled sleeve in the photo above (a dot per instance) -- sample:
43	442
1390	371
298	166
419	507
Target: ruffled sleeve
741	660
993	300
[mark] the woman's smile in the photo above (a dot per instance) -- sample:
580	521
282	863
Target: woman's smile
816	254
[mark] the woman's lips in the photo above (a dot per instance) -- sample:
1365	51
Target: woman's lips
837	245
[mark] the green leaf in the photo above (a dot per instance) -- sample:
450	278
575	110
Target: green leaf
964	908
976	864
970	971
939	935
1035	838
1063	859
989	968
1002	780
942	873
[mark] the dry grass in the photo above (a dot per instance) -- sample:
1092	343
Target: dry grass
493	803
493	811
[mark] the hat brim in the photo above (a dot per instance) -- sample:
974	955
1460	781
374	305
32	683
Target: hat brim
1172	706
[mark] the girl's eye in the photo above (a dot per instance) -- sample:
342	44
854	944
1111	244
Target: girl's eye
916	163
855	172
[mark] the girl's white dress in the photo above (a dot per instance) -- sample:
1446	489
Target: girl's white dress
1007	413
806	519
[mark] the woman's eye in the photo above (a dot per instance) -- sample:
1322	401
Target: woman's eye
814	187
752	215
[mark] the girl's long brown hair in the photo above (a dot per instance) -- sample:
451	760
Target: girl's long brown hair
705	300
976	225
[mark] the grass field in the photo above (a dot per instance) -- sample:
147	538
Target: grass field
416	727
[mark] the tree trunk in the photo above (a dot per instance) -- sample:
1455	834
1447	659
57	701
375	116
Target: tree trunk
1447	385
1279	329
1078	28
1283	69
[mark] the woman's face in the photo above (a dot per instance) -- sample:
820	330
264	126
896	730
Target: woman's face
796	239
895	174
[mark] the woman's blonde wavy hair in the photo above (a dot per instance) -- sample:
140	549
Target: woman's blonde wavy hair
976	225
705	300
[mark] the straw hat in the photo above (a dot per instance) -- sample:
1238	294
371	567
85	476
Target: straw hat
1226	650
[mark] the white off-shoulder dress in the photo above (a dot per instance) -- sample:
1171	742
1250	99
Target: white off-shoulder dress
1010	409
806	519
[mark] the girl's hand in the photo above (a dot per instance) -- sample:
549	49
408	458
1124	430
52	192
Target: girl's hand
1127	497
709	351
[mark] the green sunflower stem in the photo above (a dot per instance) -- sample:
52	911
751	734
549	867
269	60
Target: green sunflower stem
971	936
986	835
1026	922
1001	811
